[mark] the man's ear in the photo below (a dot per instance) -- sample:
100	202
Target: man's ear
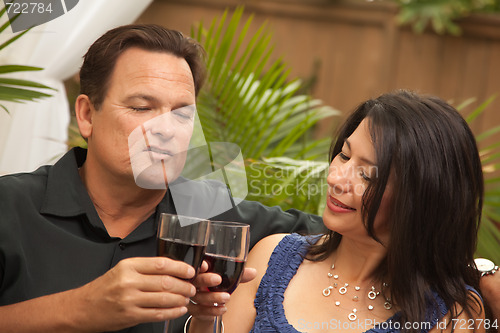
84	111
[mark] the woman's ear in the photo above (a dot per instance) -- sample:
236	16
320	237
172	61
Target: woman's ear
84	111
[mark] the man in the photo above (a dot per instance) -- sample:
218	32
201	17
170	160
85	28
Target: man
78	239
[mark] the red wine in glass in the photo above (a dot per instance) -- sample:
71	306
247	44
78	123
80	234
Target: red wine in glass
226	254
229	269
192	254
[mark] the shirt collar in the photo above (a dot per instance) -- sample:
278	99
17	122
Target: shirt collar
65	194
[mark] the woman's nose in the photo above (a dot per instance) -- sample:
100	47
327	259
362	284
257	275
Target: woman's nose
338	179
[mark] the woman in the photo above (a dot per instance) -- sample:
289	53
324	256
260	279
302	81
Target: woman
404	202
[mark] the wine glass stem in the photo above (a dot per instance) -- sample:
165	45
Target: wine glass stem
218	325
165	328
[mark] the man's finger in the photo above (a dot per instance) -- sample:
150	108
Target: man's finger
162	266
165	283
161	314
161	300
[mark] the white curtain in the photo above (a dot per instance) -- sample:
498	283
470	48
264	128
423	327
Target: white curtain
35	133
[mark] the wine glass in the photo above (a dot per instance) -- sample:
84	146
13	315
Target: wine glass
226	254
182	238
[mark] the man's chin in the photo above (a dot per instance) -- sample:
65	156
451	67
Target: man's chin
154	178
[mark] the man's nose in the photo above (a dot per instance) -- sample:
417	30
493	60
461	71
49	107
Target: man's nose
162	126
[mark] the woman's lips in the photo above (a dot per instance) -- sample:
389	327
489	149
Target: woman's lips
338	206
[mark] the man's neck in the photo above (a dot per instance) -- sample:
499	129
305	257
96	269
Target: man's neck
121	206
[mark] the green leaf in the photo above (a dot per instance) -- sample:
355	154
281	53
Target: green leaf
3	10
3	107
492	215
24	83
479	110
6	24
19	95
18	68
13	39
487	133
464	104
488	150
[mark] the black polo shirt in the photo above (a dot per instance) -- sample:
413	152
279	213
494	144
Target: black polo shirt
52	239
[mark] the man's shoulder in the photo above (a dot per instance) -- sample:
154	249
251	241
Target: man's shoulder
35	183
20	195
24	182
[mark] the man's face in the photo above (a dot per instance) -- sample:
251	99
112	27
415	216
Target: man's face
145	122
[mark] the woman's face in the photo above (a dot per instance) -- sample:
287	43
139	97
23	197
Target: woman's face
350	173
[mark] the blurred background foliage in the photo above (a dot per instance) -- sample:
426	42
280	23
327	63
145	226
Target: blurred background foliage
442	15
249	99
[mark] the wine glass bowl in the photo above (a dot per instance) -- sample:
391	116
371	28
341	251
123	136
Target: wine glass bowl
226	254
230	270
182	238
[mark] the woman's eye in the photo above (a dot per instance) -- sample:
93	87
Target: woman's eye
365	177
343	156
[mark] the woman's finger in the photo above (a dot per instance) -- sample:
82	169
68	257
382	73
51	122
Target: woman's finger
210	298
205	280
248	274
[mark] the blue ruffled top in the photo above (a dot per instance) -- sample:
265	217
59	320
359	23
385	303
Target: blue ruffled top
283	264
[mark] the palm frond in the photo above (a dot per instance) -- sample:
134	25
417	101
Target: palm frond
17	90
283	181
249	99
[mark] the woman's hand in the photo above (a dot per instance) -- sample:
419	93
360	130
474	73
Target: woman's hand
206	305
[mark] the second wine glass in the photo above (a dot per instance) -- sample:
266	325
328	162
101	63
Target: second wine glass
226	254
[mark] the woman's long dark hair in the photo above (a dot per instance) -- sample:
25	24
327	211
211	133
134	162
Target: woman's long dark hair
436	209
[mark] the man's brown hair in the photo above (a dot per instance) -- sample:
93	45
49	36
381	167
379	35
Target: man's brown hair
100	59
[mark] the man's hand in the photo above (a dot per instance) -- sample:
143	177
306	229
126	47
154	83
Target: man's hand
136	290
490	289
